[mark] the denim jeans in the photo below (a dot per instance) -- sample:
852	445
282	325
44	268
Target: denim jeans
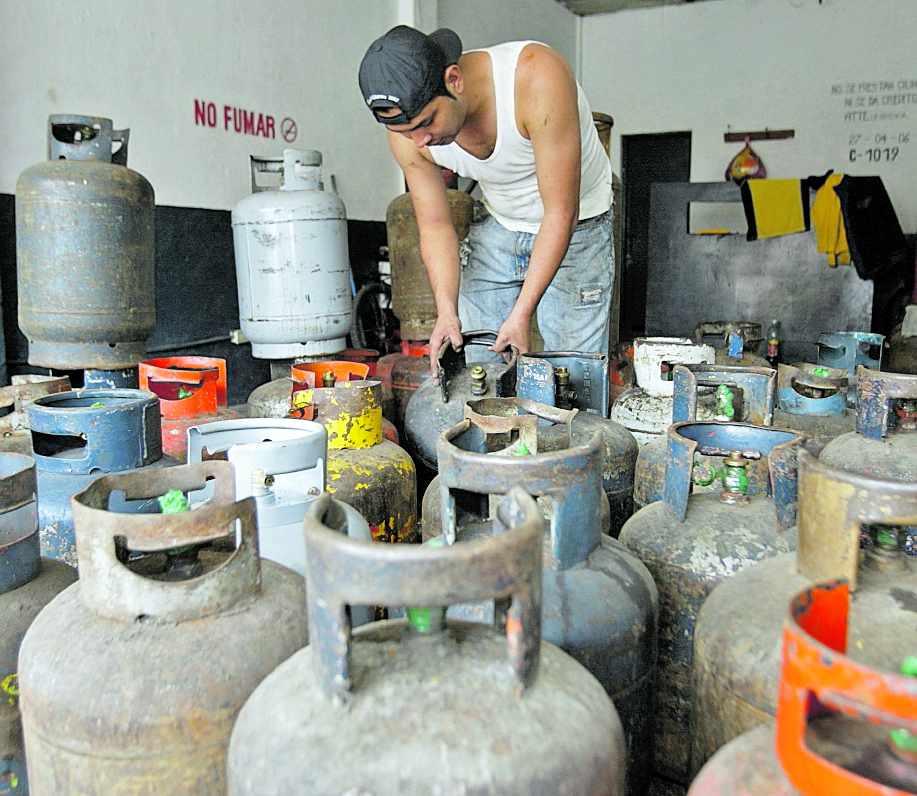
572	314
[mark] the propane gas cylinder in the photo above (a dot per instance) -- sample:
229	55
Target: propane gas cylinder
85	250
308	376
646	408
431	409
843	727
273	398
739	342
28	583
690	543
366	471
748	398
401	374
599	603
191	391
131	684
281	463
80	435
850	350
737	639
292	265
412	297
15	435
885	442
450	713
573	380
812	399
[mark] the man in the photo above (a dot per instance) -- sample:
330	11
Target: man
513	118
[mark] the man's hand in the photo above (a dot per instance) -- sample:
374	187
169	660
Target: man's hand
448	327
515	330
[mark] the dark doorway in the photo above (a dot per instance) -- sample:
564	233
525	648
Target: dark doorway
645	159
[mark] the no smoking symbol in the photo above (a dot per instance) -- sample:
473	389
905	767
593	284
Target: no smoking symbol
288	130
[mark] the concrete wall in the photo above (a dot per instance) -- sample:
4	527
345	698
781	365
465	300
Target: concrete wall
841	73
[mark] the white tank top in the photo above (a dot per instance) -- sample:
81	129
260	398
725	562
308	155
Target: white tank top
507	178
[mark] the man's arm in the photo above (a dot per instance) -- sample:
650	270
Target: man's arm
438	241
547	111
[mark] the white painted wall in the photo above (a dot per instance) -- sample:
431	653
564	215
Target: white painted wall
482	23
736	65
707	67
144	63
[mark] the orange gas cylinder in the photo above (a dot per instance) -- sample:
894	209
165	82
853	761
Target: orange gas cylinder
306	375
362	356
191	392
366	471
842	729
401	374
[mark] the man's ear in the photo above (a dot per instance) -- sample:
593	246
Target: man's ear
455	80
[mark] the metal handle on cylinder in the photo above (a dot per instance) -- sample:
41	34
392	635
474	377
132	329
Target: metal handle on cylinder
300	170
815	671
343	571
875	393
833	504
20	558
74	137
758	387
780	447
452	362
111	590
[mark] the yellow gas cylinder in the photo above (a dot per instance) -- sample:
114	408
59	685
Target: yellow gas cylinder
366	471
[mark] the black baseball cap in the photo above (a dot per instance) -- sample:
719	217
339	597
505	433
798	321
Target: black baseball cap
404	70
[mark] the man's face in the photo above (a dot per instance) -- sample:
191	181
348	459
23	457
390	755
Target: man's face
436	125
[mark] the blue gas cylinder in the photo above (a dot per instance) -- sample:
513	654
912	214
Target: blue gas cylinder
82	434
599	603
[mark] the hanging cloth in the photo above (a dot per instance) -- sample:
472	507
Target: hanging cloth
775	207
874	234
829	222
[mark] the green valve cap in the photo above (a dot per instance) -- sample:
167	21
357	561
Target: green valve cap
173	502
427	620
902	739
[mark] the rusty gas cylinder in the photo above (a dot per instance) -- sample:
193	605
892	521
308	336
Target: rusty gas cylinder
885	442
739	342
646	408
28	583
79	435
750	400
842	726
737	639
599	603
691	542
366	471
191	392
812	399
131	684
15	435
462	717
412	297
575	380
85	250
